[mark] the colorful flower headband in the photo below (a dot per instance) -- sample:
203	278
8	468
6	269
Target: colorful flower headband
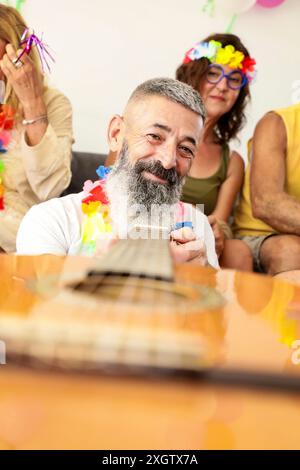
217	54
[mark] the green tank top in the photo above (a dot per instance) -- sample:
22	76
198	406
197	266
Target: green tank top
205	190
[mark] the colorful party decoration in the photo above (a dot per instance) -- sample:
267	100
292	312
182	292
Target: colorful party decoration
6	125
233	7
95	206
209	7
217	54
230	8
270	3
227	7
19	4
29	40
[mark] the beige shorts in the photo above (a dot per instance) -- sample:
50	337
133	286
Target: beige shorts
255	243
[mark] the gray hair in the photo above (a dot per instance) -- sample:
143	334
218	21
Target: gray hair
173	90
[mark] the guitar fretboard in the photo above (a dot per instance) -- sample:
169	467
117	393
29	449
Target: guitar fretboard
138	258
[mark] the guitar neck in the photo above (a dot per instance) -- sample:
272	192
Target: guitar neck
142	258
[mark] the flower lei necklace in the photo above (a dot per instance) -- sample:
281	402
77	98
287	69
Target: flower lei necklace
95	206
6	125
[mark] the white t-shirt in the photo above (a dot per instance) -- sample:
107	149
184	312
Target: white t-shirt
54	227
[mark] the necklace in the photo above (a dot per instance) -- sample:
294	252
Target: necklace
95	206
6	125
97	221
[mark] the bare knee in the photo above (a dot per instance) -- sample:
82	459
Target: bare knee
236	255
280	253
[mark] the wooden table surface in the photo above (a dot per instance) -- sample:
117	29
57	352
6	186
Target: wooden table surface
255	330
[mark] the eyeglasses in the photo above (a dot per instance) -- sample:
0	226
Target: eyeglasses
235	79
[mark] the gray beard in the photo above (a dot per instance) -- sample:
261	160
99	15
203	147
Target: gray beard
135	200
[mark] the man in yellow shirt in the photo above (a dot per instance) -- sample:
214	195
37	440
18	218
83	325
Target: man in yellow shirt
268	215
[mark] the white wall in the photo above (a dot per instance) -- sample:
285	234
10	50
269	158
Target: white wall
104	49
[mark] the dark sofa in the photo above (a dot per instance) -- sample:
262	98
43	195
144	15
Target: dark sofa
83	167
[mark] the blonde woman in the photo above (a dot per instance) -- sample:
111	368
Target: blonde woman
36	163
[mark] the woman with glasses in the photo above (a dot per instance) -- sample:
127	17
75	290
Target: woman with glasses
221	69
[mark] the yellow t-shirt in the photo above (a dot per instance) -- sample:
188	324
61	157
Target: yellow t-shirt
244	222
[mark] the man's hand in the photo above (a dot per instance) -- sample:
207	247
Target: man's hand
186	248
218	234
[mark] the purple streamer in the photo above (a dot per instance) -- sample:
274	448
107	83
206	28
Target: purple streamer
33	41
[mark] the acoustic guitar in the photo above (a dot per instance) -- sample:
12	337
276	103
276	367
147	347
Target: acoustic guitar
134	309
134	312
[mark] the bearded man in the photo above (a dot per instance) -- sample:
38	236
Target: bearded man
155	140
